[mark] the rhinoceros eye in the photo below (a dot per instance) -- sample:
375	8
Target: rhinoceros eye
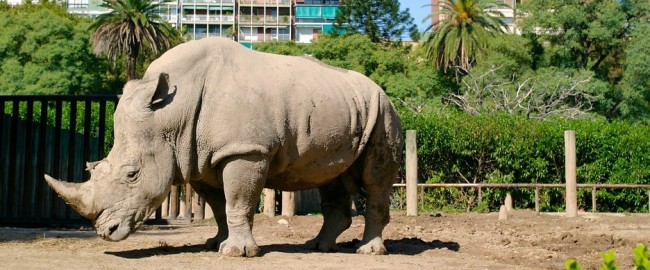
131	174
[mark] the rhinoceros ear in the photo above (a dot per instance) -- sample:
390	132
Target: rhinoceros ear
163	94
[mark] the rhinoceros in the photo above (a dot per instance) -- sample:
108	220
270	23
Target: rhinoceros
231	121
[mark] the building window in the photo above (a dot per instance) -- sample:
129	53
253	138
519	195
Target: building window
321	2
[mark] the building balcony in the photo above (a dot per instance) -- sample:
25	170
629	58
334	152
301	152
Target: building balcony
169	18
264	20
265	3
226	2
316	12
208	18
264	37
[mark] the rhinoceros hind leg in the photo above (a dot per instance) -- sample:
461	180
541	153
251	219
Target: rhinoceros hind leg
243	180
215	197
380	168
376	217
335	204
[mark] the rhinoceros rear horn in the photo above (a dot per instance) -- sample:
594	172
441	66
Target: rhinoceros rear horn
77	195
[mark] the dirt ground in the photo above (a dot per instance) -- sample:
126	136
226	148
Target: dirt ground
434	241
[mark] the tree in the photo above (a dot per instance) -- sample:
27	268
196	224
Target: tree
460	39
131	27
579	34
636	76
539	94
45	51
281	47
591	35
381	20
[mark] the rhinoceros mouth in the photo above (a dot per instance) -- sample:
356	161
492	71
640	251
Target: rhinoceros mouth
114	231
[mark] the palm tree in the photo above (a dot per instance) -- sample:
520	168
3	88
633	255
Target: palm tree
131	27
464	32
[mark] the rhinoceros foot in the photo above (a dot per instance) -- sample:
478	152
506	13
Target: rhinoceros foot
213	243
239	248
321	245
373	247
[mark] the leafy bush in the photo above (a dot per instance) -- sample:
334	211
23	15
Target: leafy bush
641	260
454	147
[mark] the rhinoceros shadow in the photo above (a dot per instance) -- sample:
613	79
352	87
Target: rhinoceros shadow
405	246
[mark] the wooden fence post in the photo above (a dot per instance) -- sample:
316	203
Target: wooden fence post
570	173
188	202
411	174
508	202
269	202
173	203
537	199
198	204
165	207
288	203
594	193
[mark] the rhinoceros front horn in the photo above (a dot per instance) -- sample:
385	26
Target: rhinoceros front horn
77	195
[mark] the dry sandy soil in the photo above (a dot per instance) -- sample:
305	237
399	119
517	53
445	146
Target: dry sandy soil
432	241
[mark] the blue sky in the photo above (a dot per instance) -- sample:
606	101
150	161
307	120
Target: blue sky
417	11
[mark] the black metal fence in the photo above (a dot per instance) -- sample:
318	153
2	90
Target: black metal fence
52	135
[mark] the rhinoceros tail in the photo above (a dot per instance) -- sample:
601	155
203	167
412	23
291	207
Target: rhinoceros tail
371	119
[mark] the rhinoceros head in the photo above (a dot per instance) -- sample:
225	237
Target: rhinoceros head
131	182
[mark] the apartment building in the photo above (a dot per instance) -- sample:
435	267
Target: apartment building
250	21
247	21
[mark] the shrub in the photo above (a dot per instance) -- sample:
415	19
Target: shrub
454	147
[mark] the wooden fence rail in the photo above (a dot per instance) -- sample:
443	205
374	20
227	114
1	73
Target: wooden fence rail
479	187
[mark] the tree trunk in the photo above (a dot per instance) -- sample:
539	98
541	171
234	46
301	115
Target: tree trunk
130	67
132	61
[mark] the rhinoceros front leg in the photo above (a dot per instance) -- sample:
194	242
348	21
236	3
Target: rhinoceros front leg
335	204
216	198
243	180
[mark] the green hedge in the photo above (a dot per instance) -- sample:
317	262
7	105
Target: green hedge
454	147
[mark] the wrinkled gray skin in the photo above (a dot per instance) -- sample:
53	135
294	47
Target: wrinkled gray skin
231	121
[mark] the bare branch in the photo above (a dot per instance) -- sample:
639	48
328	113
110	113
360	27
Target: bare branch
485	93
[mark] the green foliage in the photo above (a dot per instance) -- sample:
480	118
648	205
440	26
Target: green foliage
641	260
66	115
380	20
352	52
454	147
636	76
572	264
609	260
281	47
45	51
